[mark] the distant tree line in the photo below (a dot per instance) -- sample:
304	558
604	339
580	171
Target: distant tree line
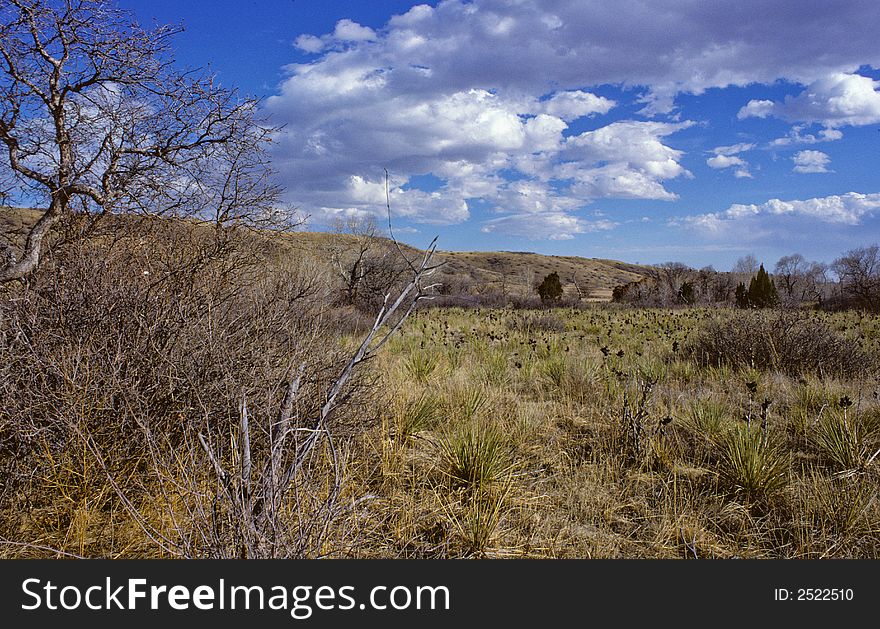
795	282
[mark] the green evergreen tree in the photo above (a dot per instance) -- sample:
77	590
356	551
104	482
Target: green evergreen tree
742	296
550	288
762	291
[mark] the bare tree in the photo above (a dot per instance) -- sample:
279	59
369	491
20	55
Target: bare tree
669	278
367	264
798	279
790	272
746	265
816	282
95	120
859	274
359	238
582	288
708	284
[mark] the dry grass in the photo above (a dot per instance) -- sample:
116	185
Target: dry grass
475	433
622	446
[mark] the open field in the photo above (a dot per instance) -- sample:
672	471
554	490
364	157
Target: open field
593	434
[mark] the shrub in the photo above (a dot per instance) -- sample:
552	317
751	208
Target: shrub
786	341
150	356
550	288
524	302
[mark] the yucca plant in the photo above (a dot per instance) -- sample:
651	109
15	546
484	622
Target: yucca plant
417	415
495	369
466	403
454	356
708	417
475	454
752	465
580	380
420	365
479	518
552	372
847	442
809	397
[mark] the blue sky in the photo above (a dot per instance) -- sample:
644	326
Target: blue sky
673	130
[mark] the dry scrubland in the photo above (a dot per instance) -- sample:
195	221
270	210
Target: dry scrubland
602	432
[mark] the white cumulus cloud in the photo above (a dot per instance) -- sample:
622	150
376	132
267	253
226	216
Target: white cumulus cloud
544	226
811	162
727	157
797	136
572	105
733	149
836	100
844	209
347	30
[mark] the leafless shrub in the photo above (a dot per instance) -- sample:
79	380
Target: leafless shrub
367	265
207	397
348	320
525	302
791	342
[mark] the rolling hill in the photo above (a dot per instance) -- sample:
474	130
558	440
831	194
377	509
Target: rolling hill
592	279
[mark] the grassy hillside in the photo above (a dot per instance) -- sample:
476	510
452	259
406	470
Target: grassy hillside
513	272
15	222
517	272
